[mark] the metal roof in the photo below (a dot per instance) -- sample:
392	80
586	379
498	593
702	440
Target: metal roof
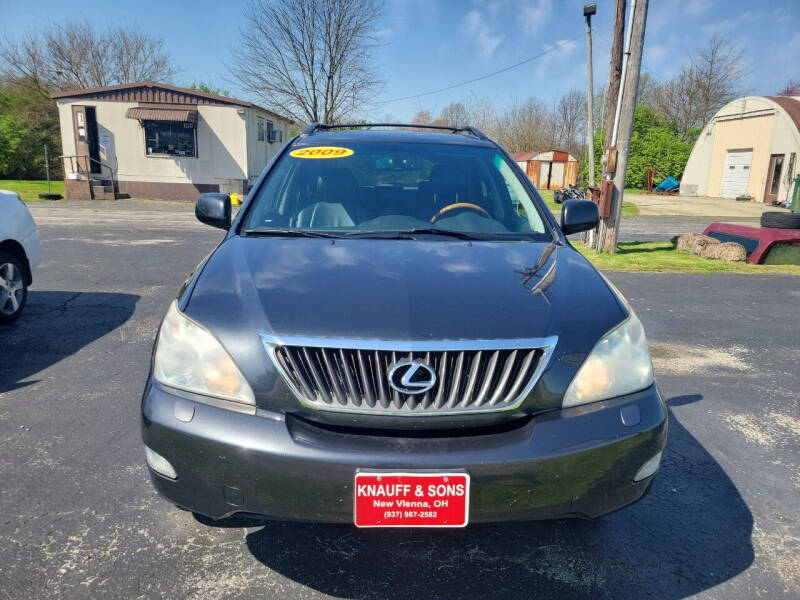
187	115
154	92
791	105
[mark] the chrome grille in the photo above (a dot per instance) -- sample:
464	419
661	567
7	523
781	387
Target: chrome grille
352	375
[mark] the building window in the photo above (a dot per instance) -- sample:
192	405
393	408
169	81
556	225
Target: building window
273	135
260	129
171	138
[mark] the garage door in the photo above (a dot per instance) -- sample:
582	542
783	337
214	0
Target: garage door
736	174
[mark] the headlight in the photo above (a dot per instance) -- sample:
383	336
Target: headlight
619	364
189	358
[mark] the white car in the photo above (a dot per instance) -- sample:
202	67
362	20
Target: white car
20	252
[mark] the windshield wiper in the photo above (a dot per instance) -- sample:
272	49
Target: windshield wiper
265	231
410	233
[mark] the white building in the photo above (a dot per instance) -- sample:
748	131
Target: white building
749	148
152	140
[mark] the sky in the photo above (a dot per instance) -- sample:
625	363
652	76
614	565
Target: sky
425	45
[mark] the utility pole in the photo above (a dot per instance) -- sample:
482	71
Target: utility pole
588	11
621	138
615	72
593	238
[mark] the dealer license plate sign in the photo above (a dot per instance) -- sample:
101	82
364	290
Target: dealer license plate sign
411	499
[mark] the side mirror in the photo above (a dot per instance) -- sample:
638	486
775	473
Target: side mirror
578	215
214	209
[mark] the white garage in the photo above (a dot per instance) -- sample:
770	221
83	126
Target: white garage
749	148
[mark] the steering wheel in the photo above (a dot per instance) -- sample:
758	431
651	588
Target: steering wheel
456	205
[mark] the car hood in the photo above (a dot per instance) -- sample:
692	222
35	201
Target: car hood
408	290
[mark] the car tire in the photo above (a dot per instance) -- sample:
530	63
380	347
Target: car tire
780	220
13	288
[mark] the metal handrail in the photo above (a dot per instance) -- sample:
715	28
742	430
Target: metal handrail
111	171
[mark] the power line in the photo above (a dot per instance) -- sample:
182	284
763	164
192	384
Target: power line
482	77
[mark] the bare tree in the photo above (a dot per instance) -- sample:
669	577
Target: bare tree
478	112
599	106
710	79
423	117
455	114
524	127
792	88
570	123
648	87
482	113
309	59
76	55
137	55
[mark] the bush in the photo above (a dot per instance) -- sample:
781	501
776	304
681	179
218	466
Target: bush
654	143
28	121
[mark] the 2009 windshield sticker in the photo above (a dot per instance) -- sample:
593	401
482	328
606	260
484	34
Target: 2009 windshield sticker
321	152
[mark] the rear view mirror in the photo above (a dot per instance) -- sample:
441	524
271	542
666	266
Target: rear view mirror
214	209
578	215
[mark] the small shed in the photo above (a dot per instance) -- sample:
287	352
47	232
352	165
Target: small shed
749	148
154	140
548	169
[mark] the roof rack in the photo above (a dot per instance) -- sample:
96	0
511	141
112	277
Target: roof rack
315	127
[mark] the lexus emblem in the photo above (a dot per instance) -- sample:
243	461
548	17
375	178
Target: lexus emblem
412	377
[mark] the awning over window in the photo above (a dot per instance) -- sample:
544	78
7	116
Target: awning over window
185	115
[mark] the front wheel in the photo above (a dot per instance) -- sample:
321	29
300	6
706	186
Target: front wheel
13	289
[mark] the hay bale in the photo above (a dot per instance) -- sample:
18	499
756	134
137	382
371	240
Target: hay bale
727	251
694	243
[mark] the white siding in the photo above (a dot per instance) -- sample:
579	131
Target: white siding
260	152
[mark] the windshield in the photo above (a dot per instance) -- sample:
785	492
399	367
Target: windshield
375	188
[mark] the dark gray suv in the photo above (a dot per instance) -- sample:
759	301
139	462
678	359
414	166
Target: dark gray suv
396	332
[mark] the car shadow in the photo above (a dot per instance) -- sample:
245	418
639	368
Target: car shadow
54	326
690	533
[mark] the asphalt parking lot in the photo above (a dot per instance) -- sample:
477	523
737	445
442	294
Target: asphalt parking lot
79	518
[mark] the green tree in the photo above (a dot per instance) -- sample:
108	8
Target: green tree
654	143
28	121
207	88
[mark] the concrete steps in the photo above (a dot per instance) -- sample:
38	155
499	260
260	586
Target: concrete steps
102	189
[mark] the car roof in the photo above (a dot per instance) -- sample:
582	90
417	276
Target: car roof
332	138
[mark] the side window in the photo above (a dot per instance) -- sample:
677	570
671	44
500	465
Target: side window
518	195
260	125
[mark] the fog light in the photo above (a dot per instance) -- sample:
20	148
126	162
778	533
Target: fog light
648	468
159	464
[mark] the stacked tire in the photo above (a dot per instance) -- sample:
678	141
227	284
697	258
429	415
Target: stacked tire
780	220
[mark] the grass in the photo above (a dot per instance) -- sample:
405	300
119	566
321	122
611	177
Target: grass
29	190
628	208
662	257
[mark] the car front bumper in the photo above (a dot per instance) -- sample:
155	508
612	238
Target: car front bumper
576	462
